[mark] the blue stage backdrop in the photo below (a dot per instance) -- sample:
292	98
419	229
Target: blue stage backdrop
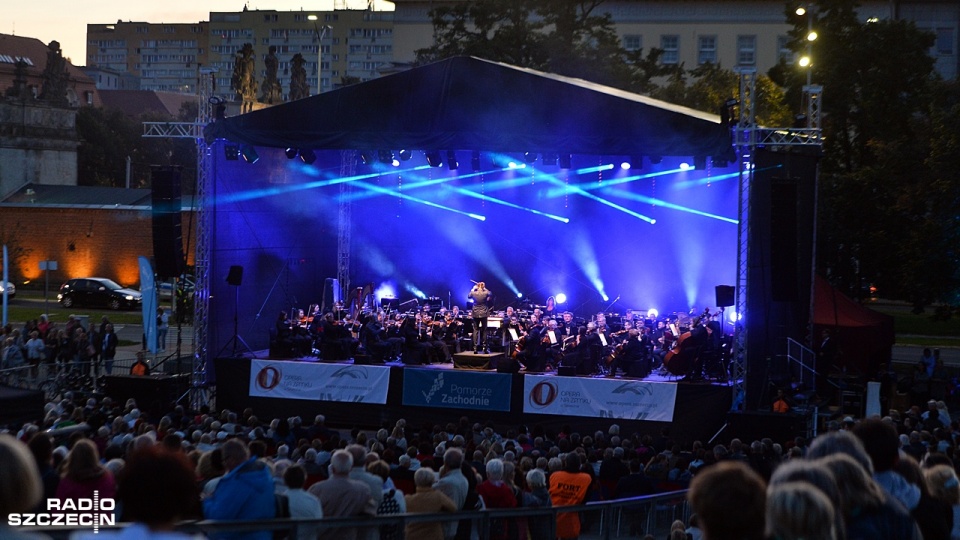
661	236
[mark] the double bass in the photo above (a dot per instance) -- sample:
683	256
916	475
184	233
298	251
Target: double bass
680	359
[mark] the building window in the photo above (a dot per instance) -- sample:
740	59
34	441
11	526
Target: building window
633	42
784	53
747	50
707	50
671	49
944	42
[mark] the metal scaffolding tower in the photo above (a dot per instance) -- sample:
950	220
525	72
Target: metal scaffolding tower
201	300
747	137
347	170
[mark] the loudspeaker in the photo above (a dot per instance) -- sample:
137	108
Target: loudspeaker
783	240
567	371
167	233
725	295
235	276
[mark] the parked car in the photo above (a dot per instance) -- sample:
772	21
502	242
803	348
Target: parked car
165	288
10	289
97	292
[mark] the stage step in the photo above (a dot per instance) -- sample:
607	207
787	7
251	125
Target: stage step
471	360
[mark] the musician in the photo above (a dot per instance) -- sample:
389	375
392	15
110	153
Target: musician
566	325
530	349
550	310
437	350
482	300
450	331
509	322
414	350
377	343
628	354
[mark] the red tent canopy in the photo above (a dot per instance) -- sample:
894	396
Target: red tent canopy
865	336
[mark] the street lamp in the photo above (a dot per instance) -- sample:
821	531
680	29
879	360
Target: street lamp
320	31
810	93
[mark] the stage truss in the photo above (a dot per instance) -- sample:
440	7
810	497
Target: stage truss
747	137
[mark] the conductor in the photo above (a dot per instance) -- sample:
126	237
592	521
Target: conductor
482	298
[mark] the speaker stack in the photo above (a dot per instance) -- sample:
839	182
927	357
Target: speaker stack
168	257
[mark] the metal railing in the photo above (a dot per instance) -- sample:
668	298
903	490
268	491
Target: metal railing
603	520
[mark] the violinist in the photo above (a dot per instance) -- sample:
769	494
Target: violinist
529	350
335	339
628	354
437	350
566	325
450	331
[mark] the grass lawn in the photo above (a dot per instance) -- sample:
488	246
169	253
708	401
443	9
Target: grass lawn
920	329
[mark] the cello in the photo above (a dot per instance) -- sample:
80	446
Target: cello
679	360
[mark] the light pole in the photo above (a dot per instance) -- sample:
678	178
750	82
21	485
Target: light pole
320	31
806	62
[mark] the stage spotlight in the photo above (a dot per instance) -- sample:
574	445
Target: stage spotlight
307	156
652	313
519	295
699	162
560	298
452	162
405	155
249	154
433	159
565	161
548	160
684	166
231	152
291	153
475	161
529	157
385	156
625	165
656	159
395	162
368	157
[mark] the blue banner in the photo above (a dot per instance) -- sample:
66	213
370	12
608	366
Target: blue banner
148	293
456	389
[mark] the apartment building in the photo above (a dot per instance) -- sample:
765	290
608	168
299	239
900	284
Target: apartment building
164	56
730	33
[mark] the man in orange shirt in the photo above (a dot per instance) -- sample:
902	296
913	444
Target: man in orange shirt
569	488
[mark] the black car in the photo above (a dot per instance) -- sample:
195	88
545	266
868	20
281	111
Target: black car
97	292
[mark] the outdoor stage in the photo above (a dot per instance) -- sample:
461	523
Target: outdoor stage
368	396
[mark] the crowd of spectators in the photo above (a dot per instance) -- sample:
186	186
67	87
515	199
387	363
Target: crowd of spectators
891	477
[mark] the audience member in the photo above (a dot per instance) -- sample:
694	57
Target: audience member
244	492
568	487
82	474
427	500
730	501
20	487
340	496
156	490
799	511
452	484
302	505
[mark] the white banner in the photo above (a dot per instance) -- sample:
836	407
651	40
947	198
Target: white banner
603	398
319	382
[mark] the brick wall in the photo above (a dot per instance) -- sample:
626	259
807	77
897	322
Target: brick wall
84	242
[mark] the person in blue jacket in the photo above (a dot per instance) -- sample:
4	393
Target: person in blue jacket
244	492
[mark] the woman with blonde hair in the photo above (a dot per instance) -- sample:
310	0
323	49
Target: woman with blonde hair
868	512
20	487
944	486
798	510
82	474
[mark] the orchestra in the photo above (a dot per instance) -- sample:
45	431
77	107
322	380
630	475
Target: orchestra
533	339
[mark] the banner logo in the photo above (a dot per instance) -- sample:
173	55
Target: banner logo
543	394
268	378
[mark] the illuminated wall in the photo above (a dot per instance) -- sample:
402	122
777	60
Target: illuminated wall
84	242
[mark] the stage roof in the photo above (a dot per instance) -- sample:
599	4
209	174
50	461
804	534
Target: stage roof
467	103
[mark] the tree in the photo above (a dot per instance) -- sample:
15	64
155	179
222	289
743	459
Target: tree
888	202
